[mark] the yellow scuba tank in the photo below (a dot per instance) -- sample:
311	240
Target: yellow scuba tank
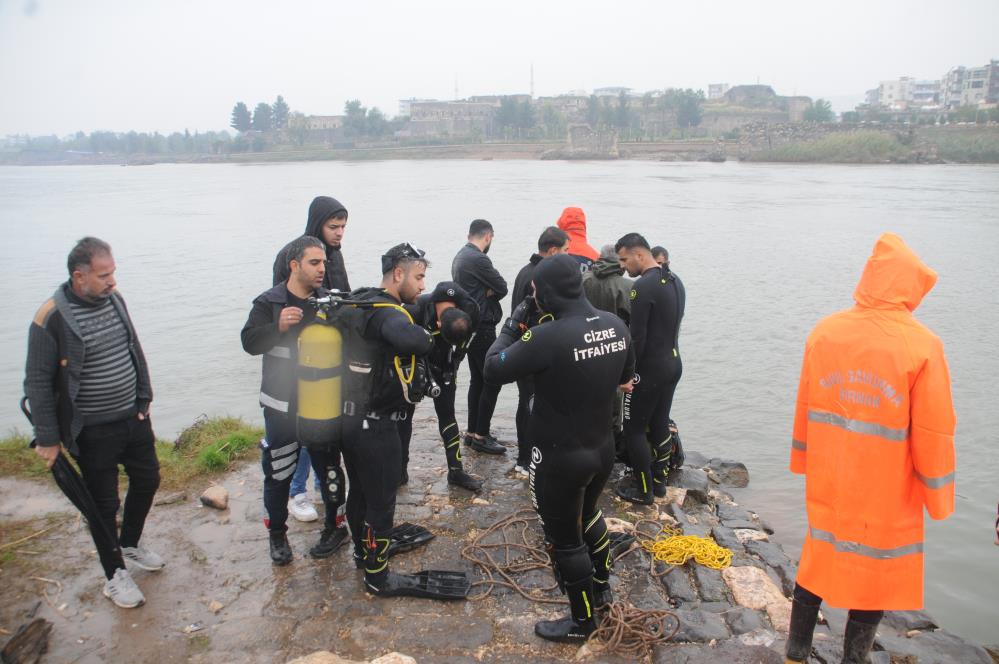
320	398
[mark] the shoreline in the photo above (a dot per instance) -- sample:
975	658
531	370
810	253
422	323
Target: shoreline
277	614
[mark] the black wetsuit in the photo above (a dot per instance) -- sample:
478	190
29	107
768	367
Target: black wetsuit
371	448
443	362
657	303
577	361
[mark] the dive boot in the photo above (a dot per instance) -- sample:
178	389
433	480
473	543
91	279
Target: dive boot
858	641
633	495
428	584
280	549
603	597
458	477
331	539
659	489
579	624
799	633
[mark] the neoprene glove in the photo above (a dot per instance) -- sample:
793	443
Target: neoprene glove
519	320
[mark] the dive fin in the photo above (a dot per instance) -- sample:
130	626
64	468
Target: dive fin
408	536
428	584
619	542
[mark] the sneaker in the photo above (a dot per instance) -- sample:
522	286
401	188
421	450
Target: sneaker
330	540
300	508
121	590
280	549
520	470
143	558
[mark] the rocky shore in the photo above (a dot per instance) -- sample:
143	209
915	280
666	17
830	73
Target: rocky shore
220	600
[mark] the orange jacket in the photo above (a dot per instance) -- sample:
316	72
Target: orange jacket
573	222
874	437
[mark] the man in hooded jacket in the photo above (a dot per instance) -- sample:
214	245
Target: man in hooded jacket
327	221
573	222
605	285
578	360
874	437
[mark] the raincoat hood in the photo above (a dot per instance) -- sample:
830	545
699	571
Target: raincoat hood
321	209
605	268
894	277
559	284
573	222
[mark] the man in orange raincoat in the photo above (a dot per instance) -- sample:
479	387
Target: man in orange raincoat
573	222
874	437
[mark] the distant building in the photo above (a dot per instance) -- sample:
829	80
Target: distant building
717	90
405	105
316	122
496	100
748	104
613	91
450	118
968	86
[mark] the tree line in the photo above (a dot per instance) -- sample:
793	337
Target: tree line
265	117
109	142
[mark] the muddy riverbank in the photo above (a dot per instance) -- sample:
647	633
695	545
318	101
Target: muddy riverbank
220	600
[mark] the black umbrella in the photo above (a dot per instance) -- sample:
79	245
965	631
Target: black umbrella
71	484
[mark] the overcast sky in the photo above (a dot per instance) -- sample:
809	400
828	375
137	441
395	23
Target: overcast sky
166	66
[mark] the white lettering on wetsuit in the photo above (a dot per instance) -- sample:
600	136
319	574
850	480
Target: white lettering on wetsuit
602	342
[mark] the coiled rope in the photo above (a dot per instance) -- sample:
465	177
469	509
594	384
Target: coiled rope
674	548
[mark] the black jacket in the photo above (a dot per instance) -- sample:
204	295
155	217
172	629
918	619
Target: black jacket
52	372
474	272
522	284
445	357
322	208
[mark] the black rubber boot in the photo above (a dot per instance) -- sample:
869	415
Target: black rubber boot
633	494
486	444
280	549
458	477
858	641
579	624
376	557
331	539
799	633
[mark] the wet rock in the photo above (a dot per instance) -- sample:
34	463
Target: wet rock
675	511
752	588
729	651
394	658
215	606
697	530
742	620
732	473
937	647
733	513
777	560
758	637
905	621
727	538
216	497
678	585
739	523
645	595
674	496
28	644
694	481
694	460
748	535
720	496
170	498
700	626
710	586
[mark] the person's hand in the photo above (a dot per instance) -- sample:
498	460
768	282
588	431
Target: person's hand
490	292
628	387
48	452
289	316
143	416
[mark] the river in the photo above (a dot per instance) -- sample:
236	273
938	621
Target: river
764	251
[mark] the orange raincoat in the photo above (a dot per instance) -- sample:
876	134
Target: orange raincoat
874	437
573	222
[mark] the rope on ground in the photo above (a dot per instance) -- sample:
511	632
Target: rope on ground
508	547
672	547
628	631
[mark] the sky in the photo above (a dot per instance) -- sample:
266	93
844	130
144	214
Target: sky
68	66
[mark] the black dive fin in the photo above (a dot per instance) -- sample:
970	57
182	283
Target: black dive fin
619	542
428	584
406	537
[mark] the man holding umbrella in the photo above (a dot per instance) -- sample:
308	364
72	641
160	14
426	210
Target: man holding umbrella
88	386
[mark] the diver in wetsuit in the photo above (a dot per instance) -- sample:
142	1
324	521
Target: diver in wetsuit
577	361
451	316
657	303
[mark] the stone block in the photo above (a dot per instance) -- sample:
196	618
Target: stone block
731	473
752	588
678	585
710	585
694	481
727	538
733	513
742	620
216	497
905	621
700	626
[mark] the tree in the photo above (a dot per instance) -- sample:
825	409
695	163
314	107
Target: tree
298	129
525	115
593	111
262	117
821	111
355	123
280	113
688	108
506	116
240	117
375	123
621	114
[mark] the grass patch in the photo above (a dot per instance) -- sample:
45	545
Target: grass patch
971	146
861	147
210	446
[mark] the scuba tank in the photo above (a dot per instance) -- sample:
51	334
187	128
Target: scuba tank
320	402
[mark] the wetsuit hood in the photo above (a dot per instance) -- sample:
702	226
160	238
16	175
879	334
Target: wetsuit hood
894	277
321	209
605	268
573	222
559	284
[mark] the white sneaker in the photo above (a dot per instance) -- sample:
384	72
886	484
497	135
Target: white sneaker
121	590
143	558
521	471
301	509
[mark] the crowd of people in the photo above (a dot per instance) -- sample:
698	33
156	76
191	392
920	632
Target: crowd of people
596	360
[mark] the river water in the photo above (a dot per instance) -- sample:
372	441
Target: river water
764	252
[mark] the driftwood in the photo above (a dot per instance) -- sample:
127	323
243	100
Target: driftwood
28	644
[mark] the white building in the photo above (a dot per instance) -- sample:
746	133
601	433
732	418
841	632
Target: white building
717	90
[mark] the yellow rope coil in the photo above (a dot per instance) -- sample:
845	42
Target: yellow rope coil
674	548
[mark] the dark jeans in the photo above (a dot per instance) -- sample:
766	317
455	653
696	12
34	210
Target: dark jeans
103	448
481	395
808	598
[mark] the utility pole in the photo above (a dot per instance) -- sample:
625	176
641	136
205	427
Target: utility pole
456	87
